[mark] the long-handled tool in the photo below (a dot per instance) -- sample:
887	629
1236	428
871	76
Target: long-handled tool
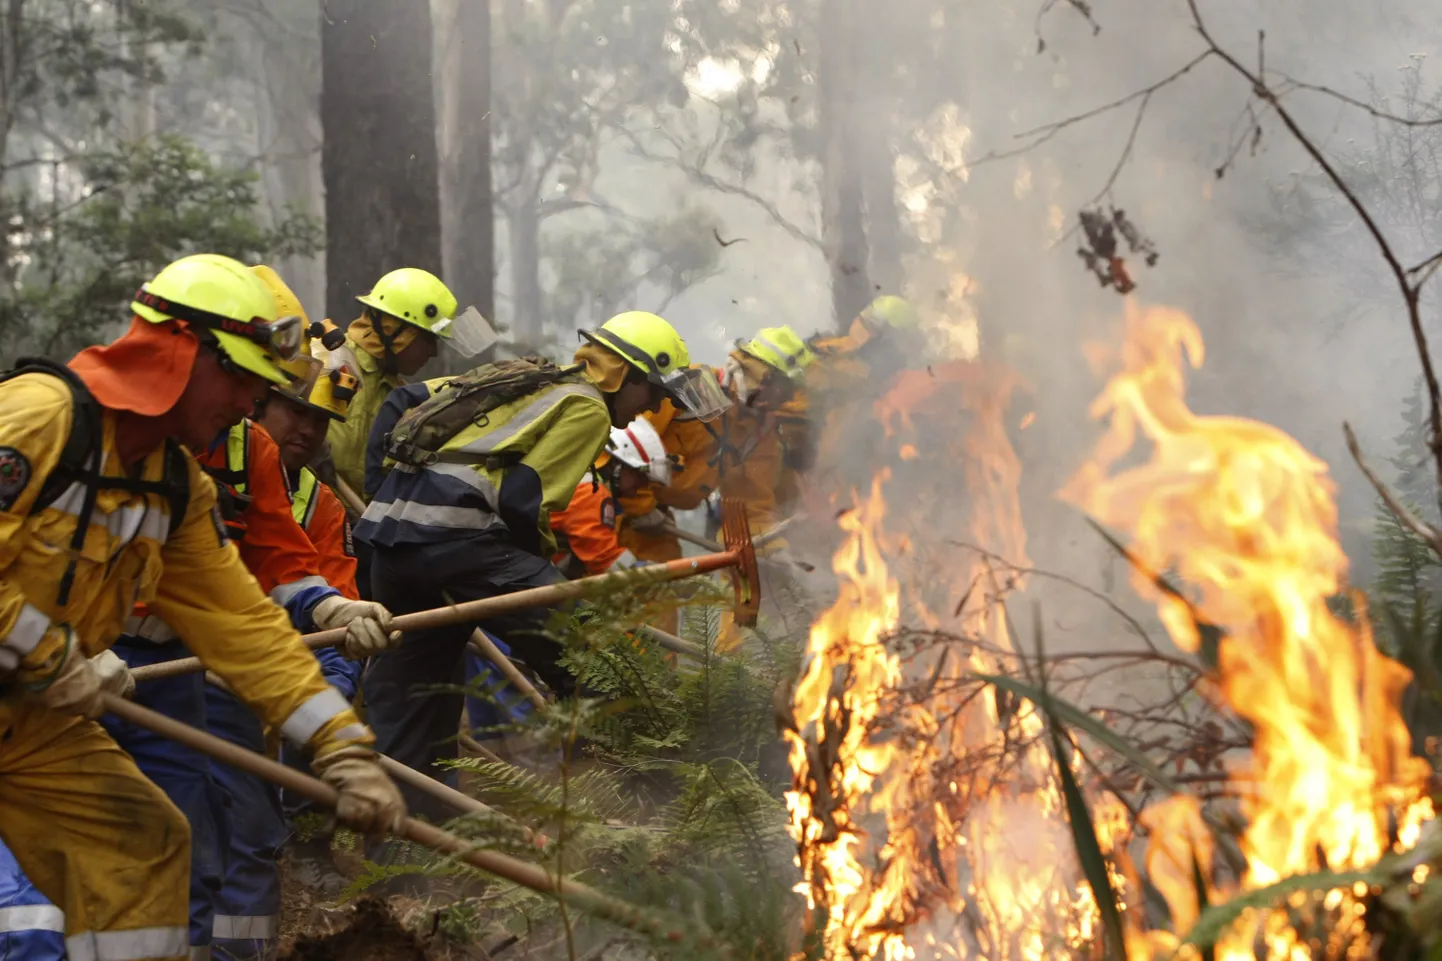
487	648
739	555
761	540
525	874
412	778
479	641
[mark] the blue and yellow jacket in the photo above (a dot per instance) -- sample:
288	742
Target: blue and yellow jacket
530	455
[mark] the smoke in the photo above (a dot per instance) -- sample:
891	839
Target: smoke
1303	327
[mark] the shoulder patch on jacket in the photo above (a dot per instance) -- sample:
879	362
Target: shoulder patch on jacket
608	512
347	542
14	476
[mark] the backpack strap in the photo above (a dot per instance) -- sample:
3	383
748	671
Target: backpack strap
79	463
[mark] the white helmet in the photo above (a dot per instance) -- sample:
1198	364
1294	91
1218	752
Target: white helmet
638	445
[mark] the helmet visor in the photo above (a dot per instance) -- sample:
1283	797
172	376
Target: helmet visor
467	333
696	390
305	370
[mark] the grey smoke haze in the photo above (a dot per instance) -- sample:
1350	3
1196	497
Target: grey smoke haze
1303	328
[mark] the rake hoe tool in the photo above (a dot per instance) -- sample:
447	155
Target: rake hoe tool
503	866
739	557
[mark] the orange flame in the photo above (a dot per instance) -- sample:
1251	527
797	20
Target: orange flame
987	853
1245	516
846	674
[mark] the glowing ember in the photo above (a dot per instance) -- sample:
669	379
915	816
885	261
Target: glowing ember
1245	517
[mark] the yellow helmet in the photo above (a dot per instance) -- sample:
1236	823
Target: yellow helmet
651	345
415	296
221	297
781	348
327	391
889	310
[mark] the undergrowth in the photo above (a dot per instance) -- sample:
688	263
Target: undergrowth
662	786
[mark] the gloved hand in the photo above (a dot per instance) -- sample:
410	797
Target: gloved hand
367	625
369	801
114	674
651	522
73	687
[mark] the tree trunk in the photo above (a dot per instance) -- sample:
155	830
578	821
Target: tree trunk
378	159
524	236
872	139
288	134
843	231
467	212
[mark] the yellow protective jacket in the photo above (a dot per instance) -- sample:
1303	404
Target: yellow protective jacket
506	475
348	437
193	579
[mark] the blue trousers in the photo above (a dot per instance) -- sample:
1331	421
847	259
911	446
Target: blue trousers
506	705
31	928
247	908
183	774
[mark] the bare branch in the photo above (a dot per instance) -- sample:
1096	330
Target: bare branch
1048	131
1411	292
722	186
1405	517
1290	83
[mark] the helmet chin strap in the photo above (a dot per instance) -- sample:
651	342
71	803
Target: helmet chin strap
389	363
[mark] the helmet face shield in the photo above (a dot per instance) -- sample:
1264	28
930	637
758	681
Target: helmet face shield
304	371
468	333
695	389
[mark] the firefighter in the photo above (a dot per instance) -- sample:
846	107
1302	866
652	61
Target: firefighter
585	529
99	507
470	516
762	377
852	373
691	446
881	341
404	319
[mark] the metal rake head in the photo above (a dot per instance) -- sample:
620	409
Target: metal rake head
745	579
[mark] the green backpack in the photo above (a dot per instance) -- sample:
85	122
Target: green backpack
422	431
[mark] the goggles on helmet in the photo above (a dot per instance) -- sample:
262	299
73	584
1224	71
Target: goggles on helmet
282	337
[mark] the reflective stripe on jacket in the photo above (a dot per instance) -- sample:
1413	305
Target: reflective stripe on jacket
274	547
531	454
320	513
193	579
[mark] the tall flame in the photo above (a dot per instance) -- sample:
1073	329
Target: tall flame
1245	517
847	673
900	834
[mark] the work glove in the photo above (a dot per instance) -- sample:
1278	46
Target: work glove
114	674
72	688
651	522
367	625
369	801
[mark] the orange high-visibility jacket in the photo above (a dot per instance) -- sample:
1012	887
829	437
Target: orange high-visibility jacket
192	578
271	543
588	527
319	512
